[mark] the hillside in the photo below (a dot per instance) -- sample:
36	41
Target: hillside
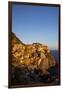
31	57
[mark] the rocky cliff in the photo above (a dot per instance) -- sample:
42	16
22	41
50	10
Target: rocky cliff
33	56
32	63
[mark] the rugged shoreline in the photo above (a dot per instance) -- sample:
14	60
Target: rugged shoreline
33	64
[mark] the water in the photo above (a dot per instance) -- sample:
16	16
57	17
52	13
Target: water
55	54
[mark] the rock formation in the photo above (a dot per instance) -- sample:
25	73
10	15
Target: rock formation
32	63
33	56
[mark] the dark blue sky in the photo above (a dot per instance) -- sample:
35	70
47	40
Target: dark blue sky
36	24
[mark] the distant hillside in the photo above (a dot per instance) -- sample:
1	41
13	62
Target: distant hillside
16	39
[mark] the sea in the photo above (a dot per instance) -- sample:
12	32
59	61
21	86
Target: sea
56	55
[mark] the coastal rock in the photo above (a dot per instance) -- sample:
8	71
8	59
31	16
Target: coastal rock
33	56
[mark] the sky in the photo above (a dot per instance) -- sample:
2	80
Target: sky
36	24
